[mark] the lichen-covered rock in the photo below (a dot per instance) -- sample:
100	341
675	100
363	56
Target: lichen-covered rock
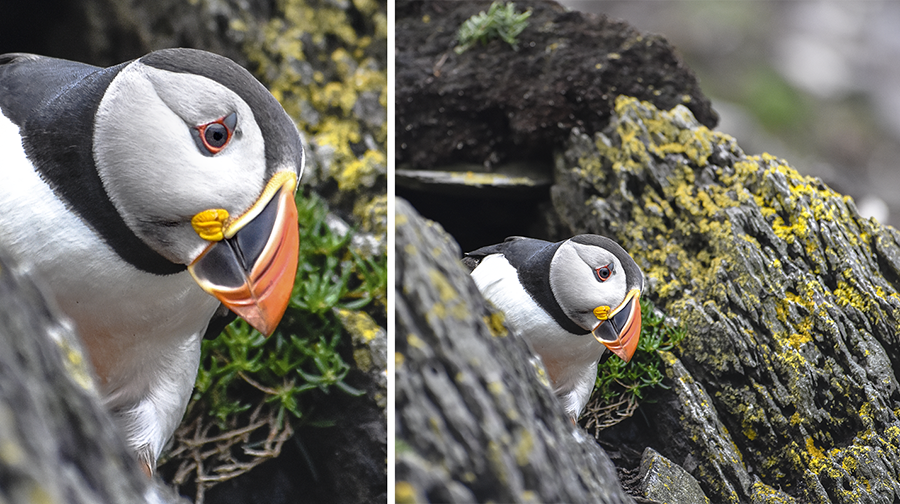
326	62
789	296
663	481
699	422
475	423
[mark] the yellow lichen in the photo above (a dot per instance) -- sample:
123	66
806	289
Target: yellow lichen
495	323
524	447
816	454
450	302
415	341
362	171
405	493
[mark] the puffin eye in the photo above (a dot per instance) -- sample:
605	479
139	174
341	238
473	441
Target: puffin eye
604	272
212	137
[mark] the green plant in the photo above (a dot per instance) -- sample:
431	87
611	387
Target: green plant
500	21
621	385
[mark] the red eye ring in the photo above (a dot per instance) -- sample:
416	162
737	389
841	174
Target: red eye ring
214	136
604	272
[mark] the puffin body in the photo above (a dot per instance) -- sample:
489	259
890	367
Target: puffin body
572	300
149	197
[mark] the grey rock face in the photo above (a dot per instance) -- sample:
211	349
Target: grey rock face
57	443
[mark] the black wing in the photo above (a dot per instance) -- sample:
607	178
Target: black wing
516	249
28	81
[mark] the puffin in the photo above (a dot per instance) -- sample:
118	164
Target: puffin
571	300
154	199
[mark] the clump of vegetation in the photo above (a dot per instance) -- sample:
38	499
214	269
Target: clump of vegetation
500	21
621	386
252	391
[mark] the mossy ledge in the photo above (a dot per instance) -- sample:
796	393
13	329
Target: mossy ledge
784	385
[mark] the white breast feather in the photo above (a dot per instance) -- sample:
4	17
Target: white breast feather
574	357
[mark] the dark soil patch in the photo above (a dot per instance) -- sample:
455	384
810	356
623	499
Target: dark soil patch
493	104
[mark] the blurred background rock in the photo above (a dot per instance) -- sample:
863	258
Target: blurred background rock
816	82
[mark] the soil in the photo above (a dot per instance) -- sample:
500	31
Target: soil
494	103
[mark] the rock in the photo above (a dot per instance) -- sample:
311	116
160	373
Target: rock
507	181
786	379
57	443
493	103
664	481
474	421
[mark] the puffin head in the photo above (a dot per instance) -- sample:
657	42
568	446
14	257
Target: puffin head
598	286
202	163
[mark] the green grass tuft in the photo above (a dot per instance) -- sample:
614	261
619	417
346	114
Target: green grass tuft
621	387
500	21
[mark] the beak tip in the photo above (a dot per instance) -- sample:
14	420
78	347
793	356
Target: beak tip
624	356
265	330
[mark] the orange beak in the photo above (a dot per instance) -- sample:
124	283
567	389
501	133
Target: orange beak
251	271
622	329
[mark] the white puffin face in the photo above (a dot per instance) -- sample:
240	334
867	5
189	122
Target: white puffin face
156	168
583	277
